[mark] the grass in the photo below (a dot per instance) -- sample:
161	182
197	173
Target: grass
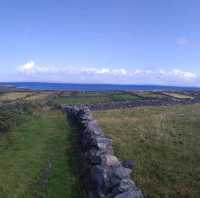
94	98
87	93
39	96
148	94
165	144
11	96
122	97
37	151
81	100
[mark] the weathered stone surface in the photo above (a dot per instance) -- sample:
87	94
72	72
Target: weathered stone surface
105	176
92	127
126	184
128	164
99	175
140	102
102	142
94	156
121	172
130	194
109	160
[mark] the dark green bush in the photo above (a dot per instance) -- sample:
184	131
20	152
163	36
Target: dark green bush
12	114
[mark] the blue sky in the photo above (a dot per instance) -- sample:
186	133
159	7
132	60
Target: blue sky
106	41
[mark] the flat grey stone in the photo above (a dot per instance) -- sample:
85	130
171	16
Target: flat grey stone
126	184
121	172
109	160
130	194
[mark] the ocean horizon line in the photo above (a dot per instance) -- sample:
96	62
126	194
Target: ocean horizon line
94	86
112	84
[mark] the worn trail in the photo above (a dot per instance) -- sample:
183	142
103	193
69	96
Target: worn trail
35	159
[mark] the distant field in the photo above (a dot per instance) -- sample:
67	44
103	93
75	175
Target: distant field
94	98
11	96
150	94
37	151
26	96
178	95
38	96
122	97
165	144
73	98
80	100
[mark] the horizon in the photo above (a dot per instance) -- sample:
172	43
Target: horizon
108	42
96	84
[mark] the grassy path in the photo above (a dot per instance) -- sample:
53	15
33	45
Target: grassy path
35	159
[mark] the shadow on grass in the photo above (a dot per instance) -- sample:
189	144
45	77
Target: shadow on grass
75	160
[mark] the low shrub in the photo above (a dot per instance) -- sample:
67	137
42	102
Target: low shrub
12	114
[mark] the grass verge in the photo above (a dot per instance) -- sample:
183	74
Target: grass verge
165	144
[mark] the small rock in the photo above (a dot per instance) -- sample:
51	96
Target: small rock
122	172
130	194
128	164
110	160
126	184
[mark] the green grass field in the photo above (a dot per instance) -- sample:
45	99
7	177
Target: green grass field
94	98
37	151
165	144
122	97
81	100
148	94
39	96
38	159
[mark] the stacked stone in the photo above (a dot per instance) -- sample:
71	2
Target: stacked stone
105	176
137	103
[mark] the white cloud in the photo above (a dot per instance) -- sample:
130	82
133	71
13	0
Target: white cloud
31	68
106	74
178	74
27	67
184	74
104	71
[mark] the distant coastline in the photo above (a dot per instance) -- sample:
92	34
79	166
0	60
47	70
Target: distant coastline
93	87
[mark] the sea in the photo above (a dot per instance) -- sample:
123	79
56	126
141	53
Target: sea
95	87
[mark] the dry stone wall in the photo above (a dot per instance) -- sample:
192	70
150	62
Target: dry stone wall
137	103
105	176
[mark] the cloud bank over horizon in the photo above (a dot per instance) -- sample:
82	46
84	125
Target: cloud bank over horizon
34	72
